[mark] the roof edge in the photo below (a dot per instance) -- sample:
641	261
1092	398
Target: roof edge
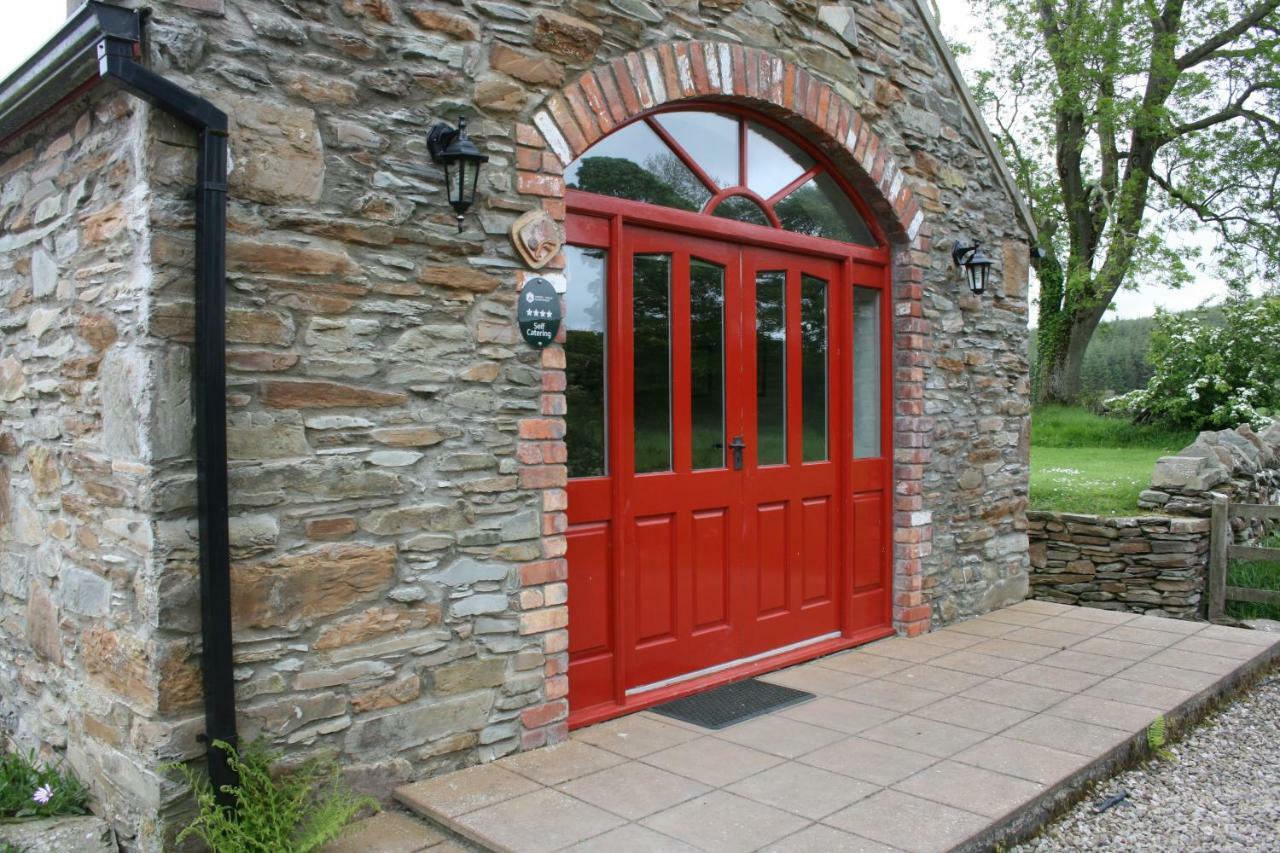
971	107
67	61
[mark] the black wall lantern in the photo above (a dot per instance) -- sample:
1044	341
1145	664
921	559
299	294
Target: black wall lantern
975	263
461	160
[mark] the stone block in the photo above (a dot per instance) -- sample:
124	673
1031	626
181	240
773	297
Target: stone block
277	150
376	622
299	588
467	675
465	571
87	834
266	435
405	728
42	624
84	592
431	517
1189	473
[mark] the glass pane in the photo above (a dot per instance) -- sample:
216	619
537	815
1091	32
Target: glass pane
635	163
710	139
773	161
820	208
866	373
651	329
741	209
706	362
584	351
771	368
813	366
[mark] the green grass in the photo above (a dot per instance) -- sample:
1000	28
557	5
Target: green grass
22	774
1087	463
1093	480
1263	574
1065	426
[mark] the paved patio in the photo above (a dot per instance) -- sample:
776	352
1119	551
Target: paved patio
953	739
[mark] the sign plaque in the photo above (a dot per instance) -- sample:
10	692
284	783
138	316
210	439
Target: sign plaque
539	313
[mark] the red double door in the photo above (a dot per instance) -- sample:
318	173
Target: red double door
720	533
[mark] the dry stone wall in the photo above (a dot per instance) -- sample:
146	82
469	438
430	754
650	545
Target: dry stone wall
1147	564
397	456
1157	564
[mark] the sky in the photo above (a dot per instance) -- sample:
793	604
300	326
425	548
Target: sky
36	20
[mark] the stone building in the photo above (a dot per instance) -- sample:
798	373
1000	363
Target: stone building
775	421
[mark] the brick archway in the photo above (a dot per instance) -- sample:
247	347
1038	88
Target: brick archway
572	119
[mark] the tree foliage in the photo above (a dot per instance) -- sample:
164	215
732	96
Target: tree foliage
1128	122
1209	376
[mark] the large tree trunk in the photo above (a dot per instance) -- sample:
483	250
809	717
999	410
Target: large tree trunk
1060	355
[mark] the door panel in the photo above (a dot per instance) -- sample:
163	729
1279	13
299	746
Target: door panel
794	540
698	491
730	517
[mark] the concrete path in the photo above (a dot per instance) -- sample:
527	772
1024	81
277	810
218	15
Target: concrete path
956	739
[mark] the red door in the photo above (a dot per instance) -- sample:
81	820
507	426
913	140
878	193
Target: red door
718	524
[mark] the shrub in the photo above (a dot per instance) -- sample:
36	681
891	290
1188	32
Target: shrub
1209	377
29	788
294	811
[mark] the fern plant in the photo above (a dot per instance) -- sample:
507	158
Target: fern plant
1157	737
297	811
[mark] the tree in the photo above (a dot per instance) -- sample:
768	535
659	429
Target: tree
1210	376
1127	122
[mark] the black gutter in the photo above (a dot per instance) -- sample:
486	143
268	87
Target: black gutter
111	37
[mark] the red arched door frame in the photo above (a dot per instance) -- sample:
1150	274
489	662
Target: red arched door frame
605	658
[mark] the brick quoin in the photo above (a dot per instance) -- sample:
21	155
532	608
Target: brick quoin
603	98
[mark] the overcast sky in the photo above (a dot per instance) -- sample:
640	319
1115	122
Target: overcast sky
27	27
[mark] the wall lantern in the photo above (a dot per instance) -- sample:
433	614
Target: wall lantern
461	160
975	263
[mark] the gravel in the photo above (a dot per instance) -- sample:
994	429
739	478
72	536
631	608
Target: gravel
1220	792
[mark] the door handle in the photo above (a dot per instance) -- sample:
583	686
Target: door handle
737	445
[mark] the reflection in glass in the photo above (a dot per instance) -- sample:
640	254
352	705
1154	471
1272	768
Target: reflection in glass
820	208
584	352
651	331
771	368
772	161
706	362
813	366
866	373
710	139
635	163
742	209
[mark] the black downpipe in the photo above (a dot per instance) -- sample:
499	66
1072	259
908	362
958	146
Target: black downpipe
116	62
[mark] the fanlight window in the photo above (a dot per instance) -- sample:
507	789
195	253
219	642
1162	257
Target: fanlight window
723	165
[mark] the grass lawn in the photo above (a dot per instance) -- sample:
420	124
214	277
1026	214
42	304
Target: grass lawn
1094	480
1082	462
1263	574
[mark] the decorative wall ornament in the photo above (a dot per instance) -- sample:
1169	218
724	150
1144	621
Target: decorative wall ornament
537	238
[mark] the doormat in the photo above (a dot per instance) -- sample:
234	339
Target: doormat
732	703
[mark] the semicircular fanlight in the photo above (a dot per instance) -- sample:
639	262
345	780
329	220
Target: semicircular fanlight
684	158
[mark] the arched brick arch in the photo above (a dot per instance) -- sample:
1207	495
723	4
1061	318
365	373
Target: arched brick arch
570	120
573	119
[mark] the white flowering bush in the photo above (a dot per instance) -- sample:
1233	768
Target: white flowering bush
1210	377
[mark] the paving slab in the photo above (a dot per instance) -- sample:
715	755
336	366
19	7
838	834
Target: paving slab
966	738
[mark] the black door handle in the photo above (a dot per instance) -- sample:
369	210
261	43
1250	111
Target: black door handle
738	445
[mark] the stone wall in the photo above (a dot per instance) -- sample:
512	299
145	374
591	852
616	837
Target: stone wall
397	463
1241	465
92	409
1147	564
1157	563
